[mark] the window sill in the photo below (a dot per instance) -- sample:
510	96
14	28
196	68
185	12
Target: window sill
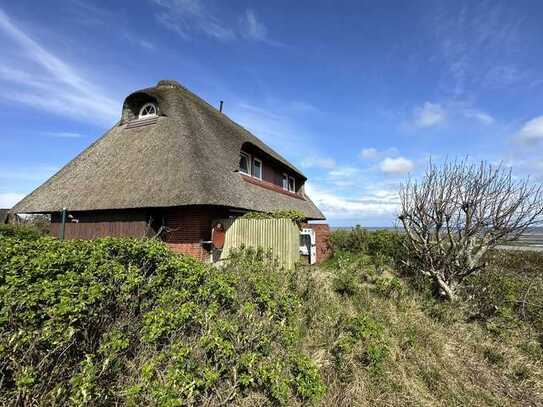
141	122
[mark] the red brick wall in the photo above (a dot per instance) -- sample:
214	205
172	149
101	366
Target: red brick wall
195	250
189	227
322	236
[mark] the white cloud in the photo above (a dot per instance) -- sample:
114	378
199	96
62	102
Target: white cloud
314	161
429	115
505	76
532	131
342	177
189	16
399	165
46	82
374	154
275	129
274	123
141	43
375	203
482	117
369	153
252	28
343	172
9	199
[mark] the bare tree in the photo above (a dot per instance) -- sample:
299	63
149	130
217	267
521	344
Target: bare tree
459	211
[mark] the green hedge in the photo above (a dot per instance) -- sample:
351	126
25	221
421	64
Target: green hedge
20	231
125	321
292	214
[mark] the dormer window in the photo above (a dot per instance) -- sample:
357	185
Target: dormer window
257	168
148	110
291	184
245	163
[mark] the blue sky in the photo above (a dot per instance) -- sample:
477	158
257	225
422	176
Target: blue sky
358	94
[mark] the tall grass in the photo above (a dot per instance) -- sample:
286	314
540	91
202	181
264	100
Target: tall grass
120	321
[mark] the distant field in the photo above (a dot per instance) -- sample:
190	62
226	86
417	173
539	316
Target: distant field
531	239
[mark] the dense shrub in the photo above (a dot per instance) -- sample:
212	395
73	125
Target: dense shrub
511	288
20	231
294	215
382	243
353	240
124	321
364	338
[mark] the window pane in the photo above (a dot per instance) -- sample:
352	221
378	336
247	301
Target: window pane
257	169
244	163
291	184
285	181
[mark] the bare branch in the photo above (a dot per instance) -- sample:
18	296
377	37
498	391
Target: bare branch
459	211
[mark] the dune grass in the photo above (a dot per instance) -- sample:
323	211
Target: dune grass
423	352
127	322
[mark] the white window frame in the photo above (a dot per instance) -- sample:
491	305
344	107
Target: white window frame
146	116
293	184
284	181
253	168
249	163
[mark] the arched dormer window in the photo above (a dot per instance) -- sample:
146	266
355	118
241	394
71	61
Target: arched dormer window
148	110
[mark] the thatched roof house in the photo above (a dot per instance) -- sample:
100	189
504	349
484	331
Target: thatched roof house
172	161
4	216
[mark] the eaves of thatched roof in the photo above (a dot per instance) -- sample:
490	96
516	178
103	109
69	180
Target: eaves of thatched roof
189	155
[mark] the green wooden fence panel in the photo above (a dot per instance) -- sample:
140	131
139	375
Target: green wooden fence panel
282	236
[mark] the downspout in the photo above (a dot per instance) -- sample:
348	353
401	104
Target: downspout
63	223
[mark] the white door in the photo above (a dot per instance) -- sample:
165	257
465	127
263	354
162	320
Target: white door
313	247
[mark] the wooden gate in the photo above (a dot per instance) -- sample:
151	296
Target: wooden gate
282	236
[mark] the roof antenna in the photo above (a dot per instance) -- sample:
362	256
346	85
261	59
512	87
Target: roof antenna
220	106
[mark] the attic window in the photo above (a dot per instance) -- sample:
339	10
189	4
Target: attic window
285	182
245	163
257	168
291	184
148	110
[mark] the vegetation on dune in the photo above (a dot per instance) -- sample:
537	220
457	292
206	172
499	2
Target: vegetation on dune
419	350
20	231
122	321
457	213
127	321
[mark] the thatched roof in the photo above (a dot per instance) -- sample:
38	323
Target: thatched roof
188	156
4	216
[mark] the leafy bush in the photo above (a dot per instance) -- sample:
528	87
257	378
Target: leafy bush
293	214
383	244
364	337
354	240
390	287
125	321
346	282
511	288
20	232
350	271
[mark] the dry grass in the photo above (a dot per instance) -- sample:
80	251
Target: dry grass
435	357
